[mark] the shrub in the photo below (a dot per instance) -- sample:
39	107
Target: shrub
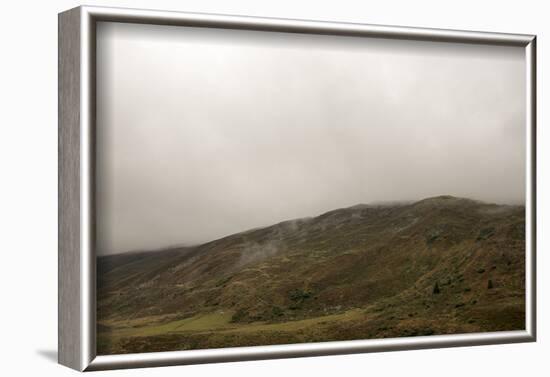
239	315
276	311
299	295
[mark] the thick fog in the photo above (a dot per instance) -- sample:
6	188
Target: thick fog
205	133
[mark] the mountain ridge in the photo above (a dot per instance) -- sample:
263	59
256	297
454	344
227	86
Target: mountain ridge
375	204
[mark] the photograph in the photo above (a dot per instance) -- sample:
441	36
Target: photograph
259	188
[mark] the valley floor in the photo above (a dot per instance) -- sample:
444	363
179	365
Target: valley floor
384	320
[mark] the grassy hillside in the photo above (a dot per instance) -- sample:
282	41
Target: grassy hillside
441	265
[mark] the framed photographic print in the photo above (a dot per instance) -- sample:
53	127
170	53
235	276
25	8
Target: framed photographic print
238	188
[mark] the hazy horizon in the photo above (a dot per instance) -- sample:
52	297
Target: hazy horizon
378	203
336	121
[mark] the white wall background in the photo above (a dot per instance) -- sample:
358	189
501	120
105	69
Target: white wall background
28	186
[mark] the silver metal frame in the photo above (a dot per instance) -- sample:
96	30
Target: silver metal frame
77	280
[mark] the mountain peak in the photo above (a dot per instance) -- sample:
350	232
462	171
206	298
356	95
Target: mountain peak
446	200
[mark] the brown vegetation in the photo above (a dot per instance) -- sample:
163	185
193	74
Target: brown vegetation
442	265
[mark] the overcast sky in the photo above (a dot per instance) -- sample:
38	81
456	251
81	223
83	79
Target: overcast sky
203	133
